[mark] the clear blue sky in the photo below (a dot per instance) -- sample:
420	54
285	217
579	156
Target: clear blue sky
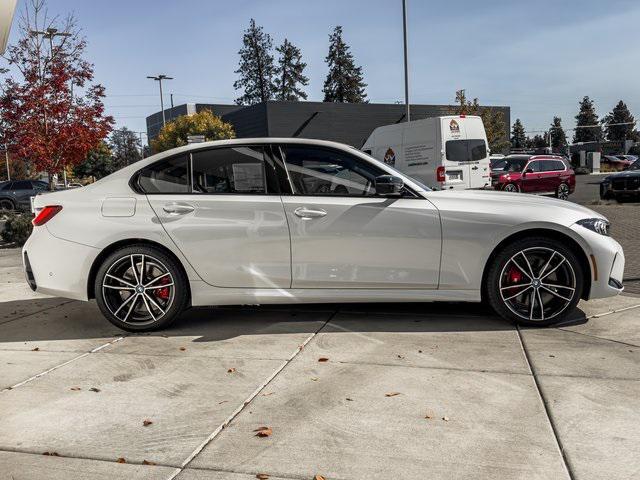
538	57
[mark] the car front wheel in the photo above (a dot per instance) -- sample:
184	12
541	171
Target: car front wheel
140	288
511	187
535	281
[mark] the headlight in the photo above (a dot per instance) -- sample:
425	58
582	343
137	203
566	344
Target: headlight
597	225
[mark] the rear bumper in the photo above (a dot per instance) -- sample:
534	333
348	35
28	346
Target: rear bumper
57	267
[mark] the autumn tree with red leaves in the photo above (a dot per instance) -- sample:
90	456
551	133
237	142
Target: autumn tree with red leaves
51	111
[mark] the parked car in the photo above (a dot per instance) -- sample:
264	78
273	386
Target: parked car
622	185
614	163
16	194
631	158
234	222
497	163
540	174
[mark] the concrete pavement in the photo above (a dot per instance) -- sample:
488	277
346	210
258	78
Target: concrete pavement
348	391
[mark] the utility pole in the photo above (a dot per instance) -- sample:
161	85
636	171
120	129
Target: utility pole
406	59
50	33
159	79
6	159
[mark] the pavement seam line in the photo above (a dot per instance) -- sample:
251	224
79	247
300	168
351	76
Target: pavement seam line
248	400
547	408
598	338
36	312
56	367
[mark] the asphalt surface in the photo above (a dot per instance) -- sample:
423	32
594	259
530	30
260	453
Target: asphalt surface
435	391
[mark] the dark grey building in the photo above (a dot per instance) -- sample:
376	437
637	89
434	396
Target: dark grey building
349	123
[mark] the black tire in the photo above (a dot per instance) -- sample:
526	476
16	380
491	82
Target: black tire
161	311
559	301
563	191
7	204
511	187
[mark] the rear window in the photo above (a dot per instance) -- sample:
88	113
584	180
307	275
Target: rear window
465	150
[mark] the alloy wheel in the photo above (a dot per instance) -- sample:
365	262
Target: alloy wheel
537	284
563	191
6	205
138	289
510	187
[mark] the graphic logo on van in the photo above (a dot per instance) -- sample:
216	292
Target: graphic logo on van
454	127
390	157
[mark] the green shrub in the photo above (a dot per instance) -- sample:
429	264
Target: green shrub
17	228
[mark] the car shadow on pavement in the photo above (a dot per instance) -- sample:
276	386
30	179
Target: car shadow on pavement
53	321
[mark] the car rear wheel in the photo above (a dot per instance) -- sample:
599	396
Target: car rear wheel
140	288
7	204
511	187
535	281
562	191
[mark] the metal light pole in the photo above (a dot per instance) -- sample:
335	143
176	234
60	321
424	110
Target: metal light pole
6	159
406	59
50	33
159	79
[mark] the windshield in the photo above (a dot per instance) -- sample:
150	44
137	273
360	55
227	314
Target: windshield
498	164
515	164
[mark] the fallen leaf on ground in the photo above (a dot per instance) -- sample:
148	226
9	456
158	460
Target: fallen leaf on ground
314	379
392	394
267	394
428	416
183	349
446	419
147	462
349	399
400	356
231	370
419	351
323	359
75	389
263	432
37	349
94	389
146	423
318	477
51	454
121	460
223	401
262	476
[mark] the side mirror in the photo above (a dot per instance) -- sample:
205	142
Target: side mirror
528	170
389	185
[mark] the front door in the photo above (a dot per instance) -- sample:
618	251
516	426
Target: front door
222	208
343	235
532	181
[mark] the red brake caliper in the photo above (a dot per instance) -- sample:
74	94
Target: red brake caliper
163	293
514	277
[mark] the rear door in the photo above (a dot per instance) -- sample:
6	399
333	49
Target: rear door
222	208
343	235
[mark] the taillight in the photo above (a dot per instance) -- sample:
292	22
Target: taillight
46	214
440	174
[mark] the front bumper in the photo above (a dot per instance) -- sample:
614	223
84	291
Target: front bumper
606	259
57	267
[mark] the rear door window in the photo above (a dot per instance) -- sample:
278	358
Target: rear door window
536	166
465	150
21	185
229	170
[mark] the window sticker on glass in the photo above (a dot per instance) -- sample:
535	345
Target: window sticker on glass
248	177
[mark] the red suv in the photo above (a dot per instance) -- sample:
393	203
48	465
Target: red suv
541	174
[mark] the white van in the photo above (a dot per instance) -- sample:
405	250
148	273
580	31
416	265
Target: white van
441	152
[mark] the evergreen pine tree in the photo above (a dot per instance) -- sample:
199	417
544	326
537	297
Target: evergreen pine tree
344	81
256	68
587	116
518	137
558	136
290	76
619	114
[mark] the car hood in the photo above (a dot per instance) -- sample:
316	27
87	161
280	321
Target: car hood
520	207
623	174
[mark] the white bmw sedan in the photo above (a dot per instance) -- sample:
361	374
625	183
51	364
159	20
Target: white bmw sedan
260	221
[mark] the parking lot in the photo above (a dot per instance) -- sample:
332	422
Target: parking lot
342	391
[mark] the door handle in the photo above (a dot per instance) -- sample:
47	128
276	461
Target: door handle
309	213
177	208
